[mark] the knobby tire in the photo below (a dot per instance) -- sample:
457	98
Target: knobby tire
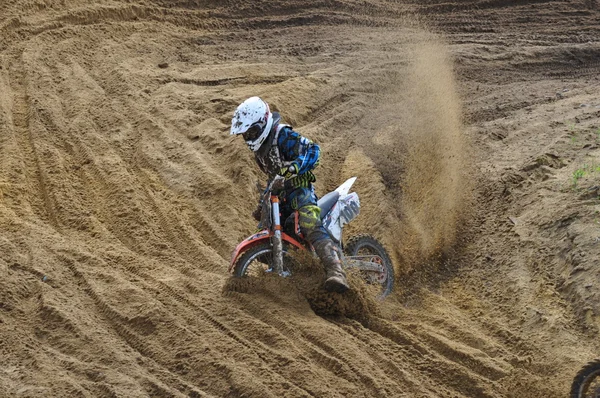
584	379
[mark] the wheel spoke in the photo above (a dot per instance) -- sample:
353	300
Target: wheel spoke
257	262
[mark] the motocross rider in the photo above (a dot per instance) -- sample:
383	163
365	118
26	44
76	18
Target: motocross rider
279	150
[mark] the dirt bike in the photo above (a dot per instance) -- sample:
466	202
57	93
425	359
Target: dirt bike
269	249
586	383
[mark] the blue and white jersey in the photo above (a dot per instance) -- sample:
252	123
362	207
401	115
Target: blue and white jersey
294	148
284	147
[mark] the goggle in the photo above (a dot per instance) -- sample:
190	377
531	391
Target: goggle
253	132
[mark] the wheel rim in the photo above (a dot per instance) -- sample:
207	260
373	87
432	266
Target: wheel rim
367	250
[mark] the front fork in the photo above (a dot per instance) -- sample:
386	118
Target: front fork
276	240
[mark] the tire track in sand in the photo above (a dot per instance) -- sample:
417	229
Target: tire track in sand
119	323
182	242
224	329
33	172
444	370
323	354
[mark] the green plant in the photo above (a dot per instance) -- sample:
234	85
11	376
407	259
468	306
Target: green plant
578	174
582	171
573	132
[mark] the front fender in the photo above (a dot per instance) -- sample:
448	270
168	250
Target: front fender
248	243
257	239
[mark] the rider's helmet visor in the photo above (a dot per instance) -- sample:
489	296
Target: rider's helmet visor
253	132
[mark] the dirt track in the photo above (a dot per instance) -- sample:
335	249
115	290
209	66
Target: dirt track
474	129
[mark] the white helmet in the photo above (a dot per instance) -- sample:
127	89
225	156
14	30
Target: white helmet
253	120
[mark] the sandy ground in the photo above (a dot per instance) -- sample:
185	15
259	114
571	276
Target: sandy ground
474	130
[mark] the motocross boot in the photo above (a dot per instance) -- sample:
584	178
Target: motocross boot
335	277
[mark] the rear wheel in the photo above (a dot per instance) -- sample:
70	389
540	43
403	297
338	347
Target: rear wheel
258	260
587	381
366	245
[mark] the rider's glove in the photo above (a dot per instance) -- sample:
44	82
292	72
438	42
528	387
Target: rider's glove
301	181
278	183
289	171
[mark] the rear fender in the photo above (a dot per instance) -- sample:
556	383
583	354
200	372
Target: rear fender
257	239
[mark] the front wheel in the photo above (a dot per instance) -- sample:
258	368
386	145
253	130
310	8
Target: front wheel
587	381
365	245
258	260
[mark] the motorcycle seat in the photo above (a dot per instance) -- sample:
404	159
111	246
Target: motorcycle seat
327	202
